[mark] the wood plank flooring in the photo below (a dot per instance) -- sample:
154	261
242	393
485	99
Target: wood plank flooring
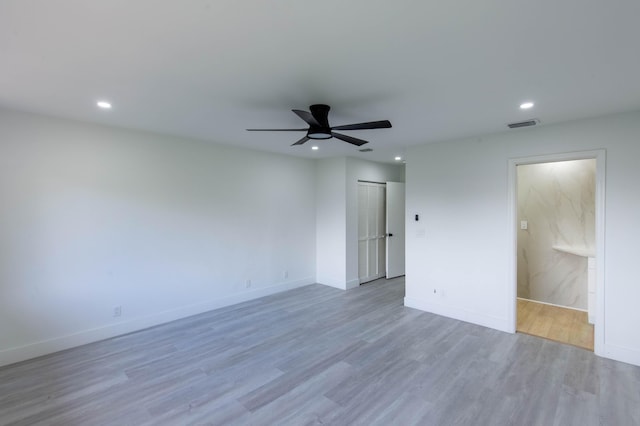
553	322
317	355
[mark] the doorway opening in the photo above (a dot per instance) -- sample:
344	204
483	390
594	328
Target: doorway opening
557	204
556	238
380	230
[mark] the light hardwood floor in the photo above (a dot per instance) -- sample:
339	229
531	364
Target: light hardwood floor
553	322
317	355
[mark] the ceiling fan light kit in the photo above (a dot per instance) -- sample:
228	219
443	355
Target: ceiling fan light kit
318	120
318	134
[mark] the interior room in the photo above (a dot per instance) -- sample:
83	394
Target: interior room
556	250
184	188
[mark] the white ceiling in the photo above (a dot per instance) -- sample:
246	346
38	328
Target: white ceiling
206	69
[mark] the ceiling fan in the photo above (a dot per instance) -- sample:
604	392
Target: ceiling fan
318	121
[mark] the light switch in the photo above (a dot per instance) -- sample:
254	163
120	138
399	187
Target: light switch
524	224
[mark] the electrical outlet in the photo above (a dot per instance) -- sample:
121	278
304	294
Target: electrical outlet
117	311
248	284
438	292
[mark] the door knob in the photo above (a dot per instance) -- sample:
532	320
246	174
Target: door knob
389	235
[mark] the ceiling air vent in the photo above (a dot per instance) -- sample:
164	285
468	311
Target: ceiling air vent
365	150
527	123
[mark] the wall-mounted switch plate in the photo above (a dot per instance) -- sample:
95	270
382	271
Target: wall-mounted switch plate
524	224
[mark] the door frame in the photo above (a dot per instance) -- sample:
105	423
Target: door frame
600	156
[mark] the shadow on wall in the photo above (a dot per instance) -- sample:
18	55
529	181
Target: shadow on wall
556	205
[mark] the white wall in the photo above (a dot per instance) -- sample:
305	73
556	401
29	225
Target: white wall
337	215
93	217
331	222
461	245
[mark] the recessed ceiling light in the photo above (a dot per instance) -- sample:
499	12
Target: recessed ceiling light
104	104
398	158
315	148
526	105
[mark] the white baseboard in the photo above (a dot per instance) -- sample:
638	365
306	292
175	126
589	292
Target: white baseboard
56	344
341	285
459	314
352	284
622	354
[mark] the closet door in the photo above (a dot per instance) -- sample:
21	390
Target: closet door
395	229
371	231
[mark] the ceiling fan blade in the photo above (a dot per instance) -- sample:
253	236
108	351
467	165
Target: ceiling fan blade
277	130
301	141
383	124
307	117
351	140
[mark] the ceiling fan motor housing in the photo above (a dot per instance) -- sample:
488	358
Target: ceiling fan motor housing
321	113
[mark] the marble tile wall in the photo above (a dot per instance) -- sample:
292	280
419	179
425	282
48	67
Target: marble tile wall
558	202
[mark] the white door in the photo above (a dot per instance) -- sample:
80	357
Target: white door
371	231
395	229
